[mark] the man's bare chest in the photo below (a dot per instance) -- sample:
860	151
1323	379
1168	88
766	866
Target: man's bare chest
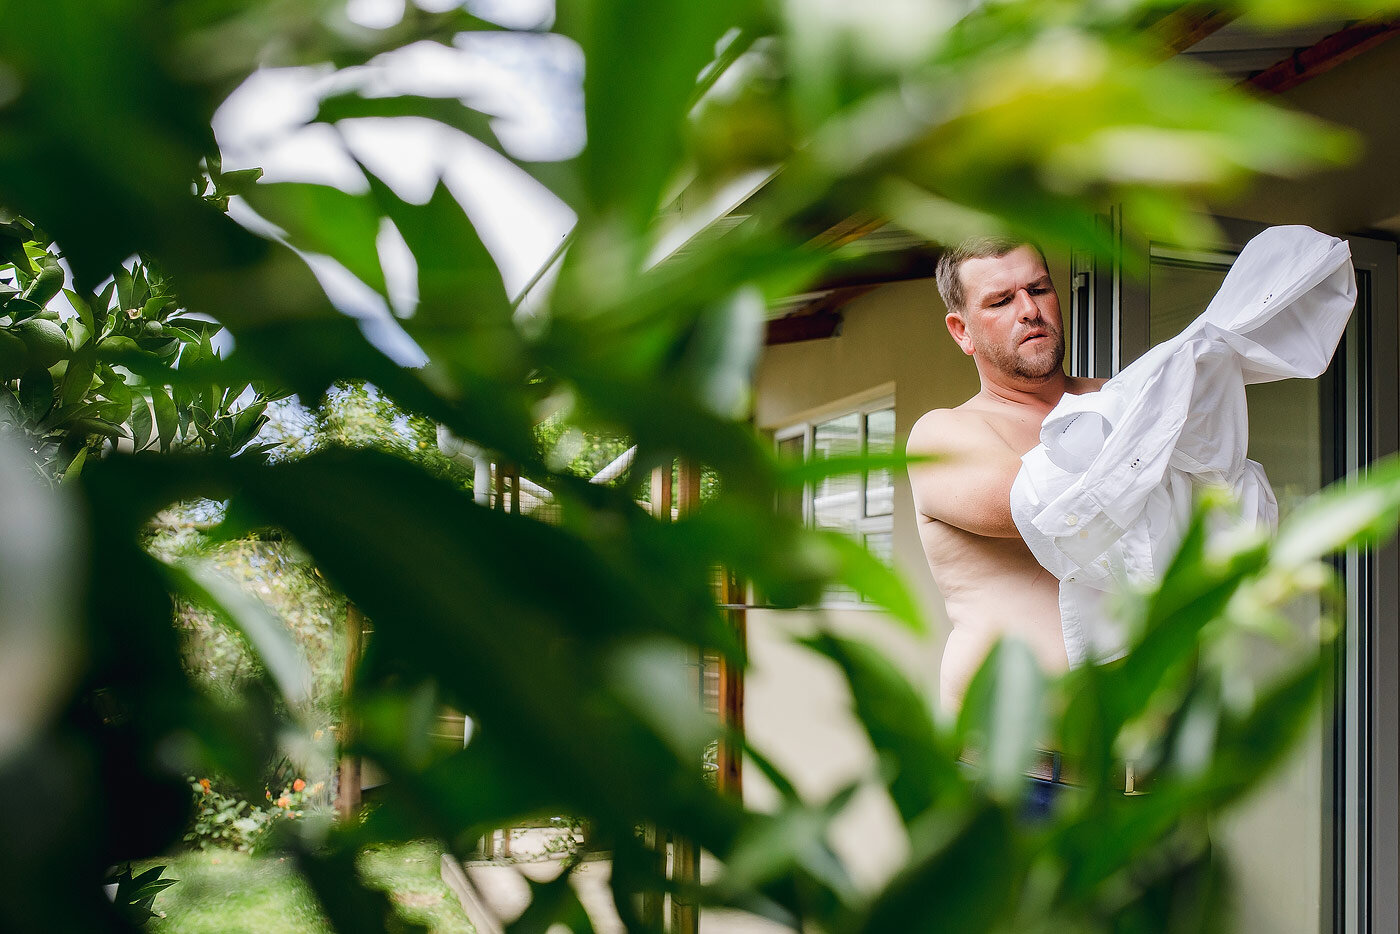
1019	431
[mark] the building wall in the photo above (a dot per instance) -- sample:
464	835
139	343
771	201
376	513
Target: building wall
1358	198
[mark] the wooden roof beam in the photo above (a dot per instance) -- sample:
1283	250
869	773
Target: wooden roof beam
1323	56
793	329
1187	25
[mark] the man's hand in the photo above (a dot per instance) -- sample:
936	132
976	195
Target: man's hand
969	485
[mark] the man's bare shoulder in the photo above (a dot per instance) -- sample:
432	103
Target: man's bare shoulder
969	424
966	481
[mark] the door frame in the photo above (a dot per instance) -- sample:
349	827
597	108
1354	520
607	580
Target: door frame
1360	406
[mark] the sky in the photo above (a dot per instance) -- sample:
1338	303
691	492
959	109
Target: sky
532	82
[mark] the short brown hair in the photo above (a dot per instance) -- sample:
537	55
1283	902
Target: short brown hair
950	263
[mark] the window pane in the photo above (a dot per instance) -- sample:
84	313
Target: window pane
789	500
836	500
881	545
1177	294
879	484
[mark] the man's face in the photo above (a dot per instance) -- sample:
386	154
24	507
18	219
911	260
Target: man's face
1011	315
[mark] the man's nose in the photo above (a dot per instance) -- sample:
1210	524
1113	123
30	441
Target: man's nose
1026	308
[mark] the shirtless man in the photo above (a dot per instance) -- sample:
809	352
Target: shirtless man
1004	313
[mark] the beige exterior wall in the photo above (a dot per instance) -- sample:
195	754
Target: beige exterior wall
1364	196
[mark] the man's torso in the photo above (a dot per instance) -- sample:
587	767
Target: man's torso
992	585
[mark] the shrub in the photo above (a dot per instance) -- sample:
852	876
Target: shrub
231	821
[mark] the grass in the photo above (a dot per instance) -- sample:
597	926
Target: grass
225	892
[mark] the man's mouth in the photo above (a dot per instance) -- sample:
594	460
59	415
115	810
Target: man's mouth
1034	336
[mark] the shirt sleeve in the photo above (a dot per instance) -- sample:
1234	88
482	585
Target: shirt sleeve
1096	509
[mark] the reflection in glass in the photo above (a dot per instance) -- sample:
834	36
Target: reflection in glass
1274	844
836	500
789	499
879	483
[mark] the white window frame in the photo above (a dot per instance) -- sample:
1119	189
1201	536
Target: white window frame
861	406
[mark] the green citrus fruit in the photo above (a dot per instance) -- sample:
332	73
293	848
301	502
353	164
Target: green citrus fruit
13	355
46	341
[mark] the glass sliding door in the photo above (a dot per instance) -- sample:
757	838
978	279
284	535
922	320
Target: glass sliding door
1304	850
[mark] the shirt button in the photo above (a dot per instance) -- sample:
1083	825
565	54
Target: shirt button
1071	519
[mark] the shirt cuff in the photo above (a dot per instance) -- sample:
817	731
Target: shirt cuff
1079	528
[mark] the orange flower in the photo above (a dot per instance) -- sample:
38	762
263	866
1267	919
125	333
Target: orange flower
298	785
284	802
204	783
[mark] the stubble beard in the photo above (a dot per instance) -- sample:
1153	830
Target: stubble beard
1046	357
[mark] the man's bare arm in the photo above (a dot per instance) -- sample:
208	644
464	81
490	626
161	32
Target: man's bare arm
969	485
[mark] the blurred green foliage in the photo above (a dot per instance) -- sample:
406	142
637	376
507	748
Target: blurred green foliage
560	640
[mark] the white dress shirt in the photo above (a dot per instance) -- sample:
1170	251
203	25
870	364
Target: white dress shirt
1105	498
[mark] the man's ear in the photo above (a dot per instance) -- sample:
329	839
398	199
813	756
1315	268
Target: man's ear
958	328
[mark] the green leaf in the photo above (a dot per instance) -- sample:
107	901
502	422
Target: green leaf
326	220
21	308
126	286
118	348
458	282
77	379
36	394
480	665
1003	717
1251	744
966	884
96	426
135	895
248	423
796	475
237	182
267	634
868	576
75	466
723	349
47	284
141	423
552	903
1117	831
1349	512
12	251
64	416
102	308
1195	589
796	836
449	111
166	417
153	307
917	766
634	103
